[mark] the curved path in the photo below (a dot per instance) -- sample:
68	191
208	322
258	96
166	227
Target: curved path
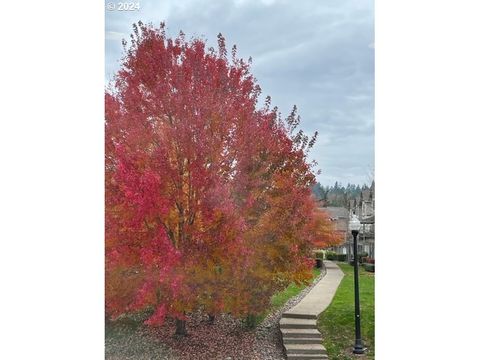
298	325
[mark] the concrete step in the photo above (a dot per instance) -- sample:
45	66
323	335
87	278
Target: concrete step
300	340
305	349
290	323
307	356
299	315
300	333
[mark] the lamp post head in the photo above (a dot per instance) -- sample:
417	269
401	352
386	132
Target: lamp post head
354	224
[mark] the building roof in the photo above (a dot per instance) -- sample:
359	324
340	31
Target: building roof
368	220
341	225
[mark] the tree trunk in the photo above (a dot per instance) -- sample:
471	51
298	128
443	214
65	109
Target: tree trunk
181	328
211	318
251	321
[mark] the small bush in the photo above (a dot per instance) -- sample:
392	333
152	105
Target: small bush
342	257
319	254
331	255
369	267
362	257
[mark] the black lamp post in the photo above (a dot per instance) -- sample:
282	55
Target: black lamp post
354	226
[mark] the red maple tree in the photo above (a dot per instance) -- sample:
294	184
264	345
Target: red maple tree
208	201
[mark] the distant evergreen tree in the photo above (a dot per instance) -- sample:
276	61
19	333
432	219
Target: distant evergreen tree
318	191
338	195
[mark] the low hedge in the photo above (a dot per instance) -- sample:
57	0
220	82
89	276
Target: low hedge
342	257
330	255
369	267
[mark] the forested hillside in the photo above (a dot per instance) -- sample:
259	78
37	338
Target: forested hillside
338	195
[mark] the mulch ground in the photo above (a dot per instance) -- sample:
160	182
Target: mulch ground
226	339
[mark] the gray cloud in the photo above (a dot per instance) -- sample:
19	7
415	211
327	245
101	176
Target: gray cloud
318	55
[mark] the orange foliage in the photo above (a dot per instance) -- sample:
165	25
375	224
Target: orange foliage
208	201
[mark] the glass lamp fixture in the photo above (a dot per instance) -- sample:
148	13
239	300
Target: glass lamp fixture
354	223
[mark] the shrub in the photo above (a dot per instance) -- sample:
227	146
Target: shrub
369	267
319	254
331	255
342	257
362	257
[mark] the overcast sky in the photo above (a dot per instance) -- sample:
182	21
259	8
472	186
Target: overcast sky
317	54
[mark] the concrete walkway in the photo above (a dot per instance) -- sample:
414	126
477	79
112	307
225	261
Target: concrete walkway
298	325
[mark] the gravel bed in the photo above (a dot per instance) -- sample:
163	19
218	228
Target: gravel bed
225	339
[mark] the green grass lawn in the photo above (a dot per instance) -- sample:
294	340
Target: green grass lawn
281	297
337	323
